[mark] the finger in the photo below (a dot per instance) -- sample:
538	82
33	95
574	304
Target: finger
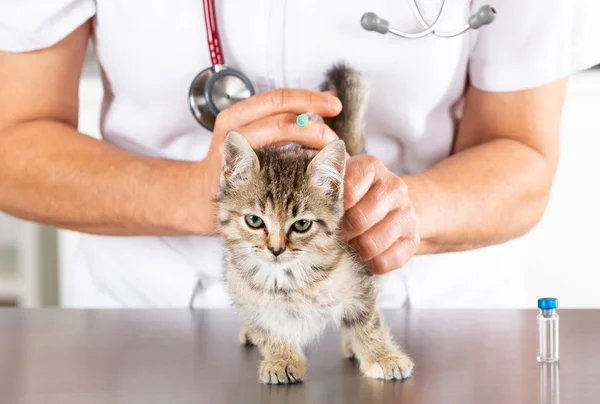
395	257
291	100
381	236
360	175
371	209
282	129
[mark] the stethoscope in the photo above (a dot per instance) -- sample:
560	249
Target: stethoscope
218	87
484	16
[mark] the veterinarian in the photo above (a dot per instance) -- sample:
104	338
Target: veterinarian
462	136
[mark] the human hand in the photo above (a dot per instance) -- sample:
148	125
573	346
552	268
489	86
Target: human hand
268	118
380	220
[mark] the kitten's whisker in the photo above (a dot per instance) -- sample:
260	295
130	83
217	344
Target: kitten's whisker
343	245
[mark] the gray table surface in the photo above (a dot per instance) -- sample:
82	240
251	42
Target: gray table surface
54	356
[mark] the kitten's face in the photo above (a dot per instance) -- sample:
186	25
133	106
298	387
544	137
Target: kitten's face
280	208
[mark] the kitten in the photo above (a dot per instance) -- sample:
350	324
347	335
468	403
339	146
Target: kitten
287	271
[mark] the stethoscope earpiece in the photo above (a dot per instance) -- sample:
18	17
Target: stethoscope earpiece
484	16
372	22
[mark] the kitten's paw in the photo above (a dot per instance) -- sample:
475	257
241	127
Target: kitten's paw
282	371
245	337
395	367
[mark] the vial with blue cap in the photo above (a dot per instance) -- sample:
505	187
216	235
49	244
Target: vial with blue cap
547	330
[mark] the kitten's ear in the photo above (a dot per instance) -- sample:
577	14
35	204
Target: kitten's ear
327	168
240	162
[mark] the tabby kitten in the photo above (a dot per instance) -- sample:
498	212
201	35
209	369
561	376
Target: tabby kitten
287	271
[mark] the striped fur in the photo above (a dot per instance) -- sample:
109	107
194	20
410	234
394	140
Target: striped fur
352	92
286	300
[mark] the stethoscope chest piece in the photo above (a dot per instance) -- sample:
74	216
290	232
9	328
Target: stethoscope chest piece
198	103
226	87
214	89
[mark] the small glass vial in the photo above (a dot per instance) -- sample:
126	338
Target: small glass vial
547	330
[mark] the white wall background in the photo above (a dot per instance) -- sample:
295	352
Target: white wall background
561	258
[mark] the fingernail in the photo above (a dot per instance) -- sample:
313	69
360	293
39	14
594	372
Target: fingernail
383	262
334	104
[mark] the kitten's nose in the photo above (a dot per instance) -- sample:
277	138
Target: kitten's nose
276	252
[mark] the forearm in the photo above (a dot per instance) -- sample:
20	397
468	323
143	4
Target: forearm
484	195
54	175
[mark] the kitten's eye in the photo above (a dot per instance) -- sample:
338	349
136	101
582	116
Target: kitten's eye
302	225
254	222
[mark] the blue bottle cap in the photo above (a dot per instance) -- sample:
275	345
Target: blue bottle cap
547	303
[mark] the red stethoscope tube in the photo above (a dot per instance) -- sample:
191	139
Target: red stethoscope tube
212	33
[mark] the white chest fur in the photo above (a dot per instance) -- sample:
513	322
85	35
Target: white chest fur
294	318
301	316
297	310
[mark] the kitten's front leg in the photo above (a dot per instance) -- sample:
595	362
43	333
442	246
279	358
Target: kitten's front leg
373	347
283	361
348	343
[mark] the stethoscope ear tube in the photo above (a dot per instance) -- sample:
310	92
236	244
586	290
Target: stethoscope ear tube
372	22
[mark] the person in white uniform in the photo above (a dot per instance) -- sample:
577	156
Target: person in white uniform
462	135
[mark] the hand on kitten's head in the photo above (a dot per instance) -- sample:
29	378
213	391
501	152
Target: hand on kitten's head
265	119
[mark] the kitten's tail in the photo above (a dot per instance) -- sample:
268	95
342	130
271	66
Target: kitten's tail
351	90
